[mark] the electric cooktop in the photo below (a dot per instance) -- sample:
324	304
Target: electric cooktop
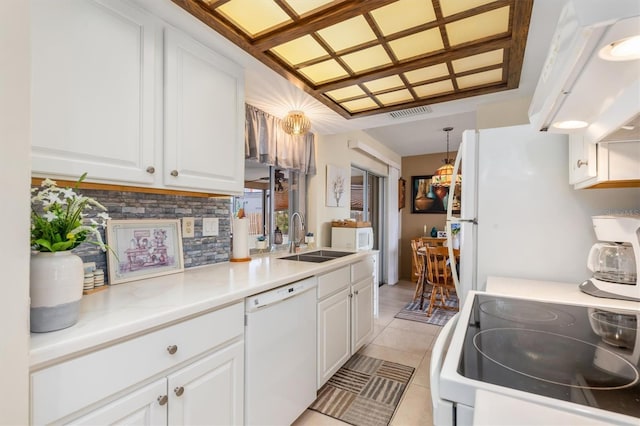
584	355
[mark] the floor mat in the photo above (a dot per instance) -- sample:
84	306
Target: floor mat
364	392
412	312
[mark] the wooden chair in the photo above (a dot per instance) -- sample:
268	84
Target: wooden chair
439	276
419	270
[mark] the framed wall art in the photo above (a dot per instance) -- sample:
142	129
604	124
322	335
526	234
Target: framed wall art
338	184
143	248
429	198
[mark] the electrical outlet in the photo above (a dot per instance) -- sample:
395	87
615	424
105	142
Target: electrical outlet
209	226
188	227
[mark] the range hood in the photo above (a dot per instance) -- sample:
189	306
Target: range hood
576	83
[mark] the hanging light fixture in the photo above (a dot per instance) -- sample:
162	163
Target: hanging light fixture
296	123
442	176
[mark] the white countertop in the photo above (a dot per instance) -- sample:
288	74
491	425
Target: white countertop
130	309
550	291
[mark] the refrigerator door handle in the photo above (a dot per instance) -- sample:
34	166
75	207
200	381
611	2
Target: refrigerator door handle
452	261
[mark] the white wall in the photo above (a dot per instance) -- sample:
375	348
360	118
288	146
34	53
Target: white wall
15	176
503	114
334	150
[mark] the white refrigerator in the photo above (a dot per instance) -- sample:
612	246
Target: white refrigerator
519	215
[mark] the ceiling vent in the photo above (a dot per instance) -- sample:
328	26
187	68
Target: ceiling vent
411	112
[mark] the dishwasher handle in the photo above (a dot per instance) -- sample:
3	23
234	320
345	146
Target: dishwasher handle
262	300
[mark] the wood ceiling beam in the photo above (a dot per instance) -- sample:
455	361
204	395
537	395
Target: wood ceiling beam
520	30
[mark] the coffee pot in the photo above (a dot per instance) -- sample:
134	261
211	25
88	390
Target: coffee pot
615	260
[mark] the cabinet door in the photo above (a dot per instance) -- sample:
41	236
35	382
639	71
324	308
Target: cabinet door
93	90
333	334
204	118
141	407
582	159
361	313
209	391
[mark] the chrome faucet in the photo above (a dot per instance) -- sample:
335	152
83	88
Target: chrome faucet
294	243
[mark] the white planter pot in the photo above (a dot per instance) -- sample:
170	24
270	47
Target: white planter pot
55	289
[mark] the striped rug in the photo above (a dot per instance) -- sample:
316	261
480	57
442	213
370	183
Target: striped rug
412	312
364	392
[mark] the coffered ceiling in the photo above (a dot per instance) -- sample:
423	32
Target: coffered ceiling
365	57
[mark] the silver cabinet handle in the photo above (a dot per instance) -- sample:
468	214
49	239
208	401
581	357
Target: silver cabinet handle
163	399
179	390
356	292
174	173
172	349
581	163
151	170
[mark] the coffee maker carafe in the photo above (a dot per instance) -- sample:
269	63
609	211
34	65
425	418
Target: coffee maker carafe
615	261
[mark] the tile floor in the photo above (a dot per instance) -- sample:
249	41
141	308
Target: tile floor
401	341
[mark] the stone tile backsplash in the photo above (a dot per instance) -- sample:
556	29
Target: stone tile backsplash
132	205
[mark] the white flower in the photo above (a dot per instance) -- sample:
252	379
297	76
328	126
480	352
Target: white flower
48	182
67	193
50	216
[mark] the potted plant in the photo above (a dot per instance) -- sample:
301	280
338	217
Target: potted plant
59	223
455	235
261	242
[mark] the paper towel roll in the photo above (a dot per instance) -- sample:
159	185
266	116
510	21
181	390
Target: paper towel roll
240	238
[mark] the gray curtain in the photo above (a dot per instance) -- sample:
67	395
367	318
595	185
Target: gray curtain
266	142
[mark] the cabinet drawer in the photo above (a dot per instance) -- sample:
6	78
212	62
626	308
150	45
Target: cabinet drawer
361	270
333	281
62	389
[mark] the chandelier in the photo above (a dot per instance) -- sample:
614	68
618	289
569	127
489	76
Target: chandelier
296	123
442	176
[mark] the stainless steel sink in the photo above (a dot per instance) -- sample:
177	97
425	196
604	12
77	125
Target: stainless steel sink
317	256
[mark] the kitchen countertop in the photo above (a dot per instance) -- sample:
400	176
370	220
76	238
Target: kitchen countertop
130	309
550	291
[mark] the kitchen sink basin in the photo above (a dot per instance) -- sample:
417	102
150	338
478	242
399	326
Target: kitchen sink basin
317	256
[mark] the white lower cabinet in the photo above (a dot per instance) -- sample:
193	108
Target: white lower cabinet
345	315
209	391
141	407
361	313
191	372
334	347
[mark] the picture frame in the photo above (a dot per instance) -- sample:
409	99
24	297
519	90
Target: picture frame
338	186
143	248
429	198
402	188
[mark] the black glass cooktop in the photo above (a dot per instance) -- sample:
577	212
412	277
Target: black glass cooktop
585	355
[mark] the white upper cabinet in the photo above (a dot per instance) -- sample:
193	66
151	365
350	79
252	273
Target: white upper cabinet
113	98
204	117
93	90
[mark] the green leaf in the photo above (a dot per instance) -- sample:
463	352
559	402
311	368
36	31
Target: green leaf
44	243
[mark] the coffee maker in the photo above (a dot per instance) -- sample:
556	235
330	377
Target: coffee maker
615	261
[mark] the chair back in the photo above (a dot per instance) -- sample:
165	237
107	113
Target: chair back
417	260
438	268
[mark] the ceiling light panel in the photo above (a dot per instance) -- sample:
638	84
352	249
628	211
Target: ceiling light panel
417	44
392	98
302	7
451	7
346	93
300	50
386	83
349	33
479	79
479	26
478	61
324	71
376	56
264	14
427	73
402	15
359	105
433	89
367	59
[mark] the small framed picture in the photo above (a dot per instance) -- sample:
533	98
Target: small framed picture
143	248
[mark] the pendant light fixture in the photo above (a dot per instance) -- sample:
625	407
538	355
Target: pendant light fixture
296	123
442	176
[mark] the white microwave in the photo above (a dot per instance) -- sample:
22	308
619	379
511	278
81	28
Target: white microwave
352	238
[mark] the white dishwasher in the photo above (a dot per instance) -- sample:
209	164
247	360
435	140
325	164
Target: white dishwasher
280	353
